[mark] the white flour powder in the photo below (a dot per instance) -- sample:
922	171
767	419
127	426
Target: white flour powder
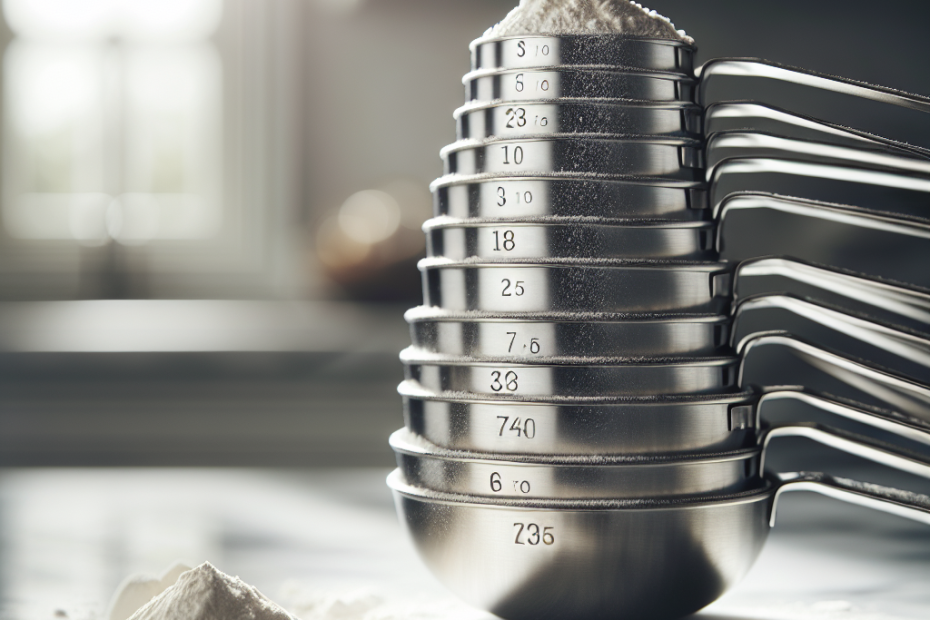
586	17
205	593
137	590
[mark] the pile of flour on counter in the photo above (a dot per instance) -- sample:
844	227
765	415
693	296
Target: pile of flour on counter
204	593
559	17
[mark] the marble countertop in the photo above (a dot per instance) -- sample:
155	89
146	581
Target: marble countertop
69	536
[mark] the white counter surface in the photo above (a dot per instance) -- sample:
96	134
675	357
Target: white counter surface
69	536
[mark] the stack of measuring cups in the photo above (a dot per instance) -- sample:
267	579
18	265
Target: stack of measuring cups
572	345
576	444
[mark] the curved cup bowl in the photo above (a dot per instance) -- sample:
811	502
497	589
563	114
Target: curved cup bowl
600	559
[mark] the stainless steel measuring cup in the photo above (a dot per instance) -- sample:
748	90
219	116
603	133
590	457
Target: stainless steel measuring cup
520	336
673	158
607	51
573	476
554	83
588	425
637	425
592	559
563	376
481	120
542	195
626	476
576	286
458	239
597	557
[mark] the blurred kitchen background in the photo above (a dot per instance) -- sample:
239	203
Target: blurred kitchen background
210	209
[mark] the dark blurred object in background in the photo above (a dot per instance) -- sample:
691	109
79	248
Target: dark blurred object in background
371	244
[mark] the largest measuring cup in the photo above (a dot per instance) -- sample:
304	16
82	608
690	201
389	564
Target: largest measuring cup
597	559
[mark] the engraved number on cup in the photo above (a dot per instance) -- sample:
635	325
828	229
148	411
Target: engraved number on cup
532	534
504	382
513	157
504	241
519	197
519	486
525	428
516	117
512	289
534	345
534	50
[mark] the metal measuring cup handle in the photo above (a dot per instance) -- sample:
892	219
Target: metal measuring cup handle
723	147
773	361
843	101
884	452
741	116
880	191
903	353
876	299
905	504
753	225
766	69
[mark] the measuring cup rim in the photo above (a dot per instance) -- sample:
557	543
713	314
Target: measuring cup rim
452	180
612	37
834	211
700	266
405	441
442	222
413	355
412	389
598	69
478	105
435	314
476	143
766	492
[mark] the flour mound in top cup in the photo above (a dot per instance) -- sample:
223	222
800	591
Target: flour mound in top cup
561	17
